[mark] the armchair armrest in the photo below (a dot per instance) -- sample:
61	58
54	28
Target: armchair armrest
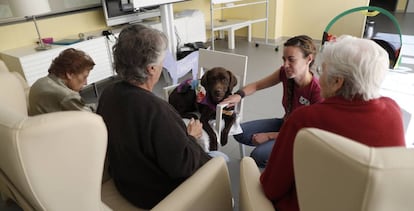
207	189
251	195
219	124
219	114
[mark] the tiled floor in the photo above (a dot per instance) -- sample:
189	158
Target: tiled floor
267	103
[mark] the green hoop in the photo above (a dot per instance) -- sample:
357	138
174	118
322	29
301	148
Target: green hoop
380	42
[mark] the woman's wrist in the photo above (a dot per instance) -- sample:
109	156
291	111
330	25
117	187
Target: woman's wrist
241	93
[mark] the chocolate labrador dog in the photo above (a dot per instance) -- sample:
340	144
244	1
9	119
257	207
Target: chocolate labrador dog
218	83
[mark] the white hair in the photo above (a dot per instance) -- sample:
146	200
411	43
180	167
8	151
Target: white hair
361	62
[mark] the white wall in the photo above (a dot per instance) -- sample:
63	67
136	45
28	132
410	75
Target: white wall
410	6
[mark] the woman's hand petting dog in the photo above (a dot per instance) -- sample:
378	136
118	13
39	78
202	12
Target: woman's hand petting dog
260	138
231	100
194	128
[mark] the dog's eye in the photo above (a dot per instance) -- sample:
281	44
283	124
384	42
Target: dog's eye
218	78
223	79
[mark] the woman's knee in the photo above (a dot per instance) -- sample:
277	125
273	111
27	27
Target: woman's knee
262	153
243	139
259	159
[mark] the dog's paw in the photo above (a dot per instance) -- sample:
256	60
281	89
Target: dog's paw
228	112
213	145
224	139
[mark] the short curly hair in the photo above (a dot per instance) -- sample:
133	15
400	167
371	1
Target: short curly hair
71	61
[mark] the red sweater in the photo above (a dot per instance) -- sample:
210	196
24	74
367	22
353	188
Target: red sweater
375	123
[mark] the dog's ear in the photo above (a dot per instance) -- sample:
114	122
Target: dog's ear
233	80
204	81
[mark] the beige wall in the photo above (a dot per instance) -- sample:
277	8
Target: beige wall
286	18
293	17
312	17
401	4
203	5
23	34
254	12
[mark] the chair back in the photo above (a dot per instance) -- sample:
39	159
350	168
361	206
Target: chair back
236	63
336	173
3	67
13	91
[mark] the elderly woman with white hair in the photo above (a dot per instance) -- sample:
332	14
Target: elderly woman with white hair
351	76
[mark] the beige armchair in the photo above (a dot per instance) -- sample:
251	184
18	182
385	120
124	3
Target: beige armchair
52	161
55	162
251	197
336	173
